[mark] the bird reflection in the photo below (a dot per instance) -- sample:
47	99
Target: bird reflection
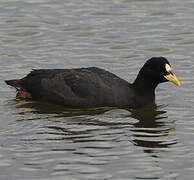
57	110
152	129
147	117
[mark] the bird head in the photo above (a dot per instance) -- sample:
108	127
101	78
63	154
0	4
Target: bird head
158	70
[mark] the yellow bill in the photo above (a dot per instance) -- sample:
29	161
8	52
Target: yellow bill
171	77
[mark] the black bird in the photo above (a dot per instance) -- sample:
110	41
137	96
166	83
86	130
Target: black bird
95	87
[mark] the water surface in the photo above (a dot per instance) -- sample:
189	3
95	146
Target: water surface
46	141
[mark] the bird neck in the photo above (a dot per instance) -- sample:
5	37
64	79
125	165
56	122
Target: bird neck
145	91
144	85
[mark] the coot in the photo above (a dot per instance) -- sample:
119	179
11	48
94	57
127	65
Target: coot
95	87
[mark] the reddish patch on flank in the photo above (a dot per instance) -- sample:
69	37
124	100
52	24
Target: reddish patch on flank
21	95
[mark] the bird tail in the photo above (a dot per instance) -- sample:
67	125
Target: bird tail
14	83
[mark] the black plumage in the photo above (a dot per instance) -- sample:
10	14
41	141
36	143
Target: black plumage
94	87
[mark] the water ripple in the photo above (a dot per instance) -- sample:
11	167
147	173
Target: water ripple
44	141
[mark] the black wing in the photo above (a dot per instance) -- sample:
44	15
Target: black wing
78	87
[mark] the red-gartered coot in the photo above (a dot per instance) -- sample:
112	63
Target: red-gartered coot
95	87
